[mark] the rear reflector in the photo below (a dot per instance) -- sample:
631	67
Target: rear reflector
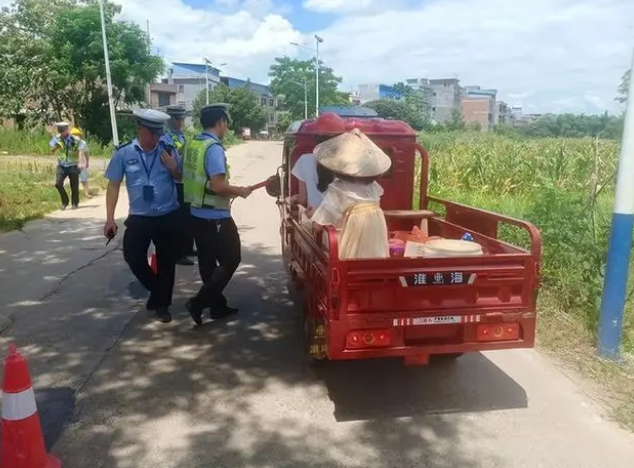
360	339
499	332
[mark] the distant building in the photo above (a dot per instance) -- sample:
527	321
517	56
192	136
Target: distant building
480	106
505	115
190	79
480	111
354	99
423	86
265	97
442	95
163	95
516	113
374	92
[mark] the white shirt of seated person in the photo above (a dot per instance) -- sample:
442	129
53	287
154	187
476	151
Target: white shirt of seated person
305	170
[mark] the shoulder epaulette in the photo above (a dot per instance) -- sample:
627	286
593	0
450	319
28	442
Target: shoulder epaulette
123	145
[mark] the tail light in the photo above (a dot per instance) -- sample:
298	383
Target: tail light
360	339
498	332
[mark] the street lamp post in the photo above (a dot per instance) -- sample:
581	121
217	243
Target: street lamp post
207	63
305	85
318	40
113	117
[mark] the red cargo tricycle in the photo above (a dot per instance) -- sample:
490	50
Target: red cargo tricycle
411	308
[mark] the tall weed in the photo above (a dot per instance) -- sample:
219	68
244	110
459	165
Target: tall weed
563	186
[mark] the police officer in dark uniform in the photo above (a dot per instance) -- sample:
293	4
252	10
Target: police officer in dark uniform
175	137
150	173
206	178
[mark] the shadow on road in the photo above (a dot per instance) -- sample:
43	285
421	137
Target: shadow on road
237	395
385	389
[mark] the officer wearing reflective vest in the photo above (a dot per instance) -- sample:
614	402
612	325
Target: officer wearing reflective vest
68	149
206	177
175	137
150	170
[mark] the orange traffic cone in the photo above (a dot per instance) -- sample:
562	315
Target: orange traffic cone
22	444
151	258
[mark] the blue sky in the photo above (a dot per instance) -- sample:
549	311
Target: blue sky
544	55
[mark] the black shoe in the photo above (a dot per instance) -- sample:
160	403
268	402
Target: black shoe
149	305
74	207
196	313
218	313
163	314
185	261
63	207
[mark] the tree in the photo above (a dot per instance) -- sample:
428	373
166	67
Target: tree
288	77
403	88
455	122
390	109
624	87
245	110
415	99
55	49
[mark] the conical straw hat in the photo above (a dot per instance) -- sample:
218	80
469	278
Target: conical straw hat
352	154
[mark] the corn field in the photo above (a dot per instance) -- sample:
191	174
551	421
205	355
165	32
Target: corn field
563	186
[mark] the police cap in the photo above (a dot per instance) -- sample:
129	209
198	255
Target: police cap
176	112
217	110
62	125
151	119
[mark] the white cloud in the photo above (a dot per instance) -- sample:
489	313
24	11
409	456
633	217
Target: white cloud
549	55
247	38
338	6
559	55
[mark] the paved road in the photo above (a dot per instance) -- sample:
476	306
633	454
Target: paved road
138	394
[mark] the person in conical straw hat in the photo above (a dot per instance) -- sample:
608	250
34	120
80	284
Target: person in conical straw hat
351	202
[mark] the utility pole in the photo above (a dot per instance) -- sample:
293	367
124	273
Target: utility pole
149	51
617	267
113	117
318	40
305	100
206	80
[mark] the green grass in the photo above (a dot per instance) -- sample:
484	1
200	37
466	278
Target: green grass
26	187
35	143
27	191
565	187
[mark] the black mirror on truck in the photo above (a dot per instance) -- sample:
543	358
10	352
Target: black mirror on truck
274	186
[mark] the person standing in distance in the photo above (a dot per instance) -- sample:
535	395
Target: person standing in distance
175	137
150	173
207	188
69	149
84	161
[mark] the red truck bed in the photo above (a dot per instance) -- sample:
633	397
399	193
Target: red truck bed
417	307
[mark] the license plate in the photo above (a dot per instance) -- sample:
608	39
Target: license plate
438	320
437	278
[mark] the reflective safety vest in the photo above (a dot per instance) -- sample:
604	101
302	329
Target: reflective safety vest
195	179
177	141
69	153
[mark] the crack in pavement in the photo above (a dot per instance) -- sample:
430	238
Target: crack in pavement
60	283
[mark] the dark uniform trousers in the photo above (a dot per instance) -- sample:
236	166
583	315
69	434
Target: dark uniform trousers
163	232
218	246
72	172
185	238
